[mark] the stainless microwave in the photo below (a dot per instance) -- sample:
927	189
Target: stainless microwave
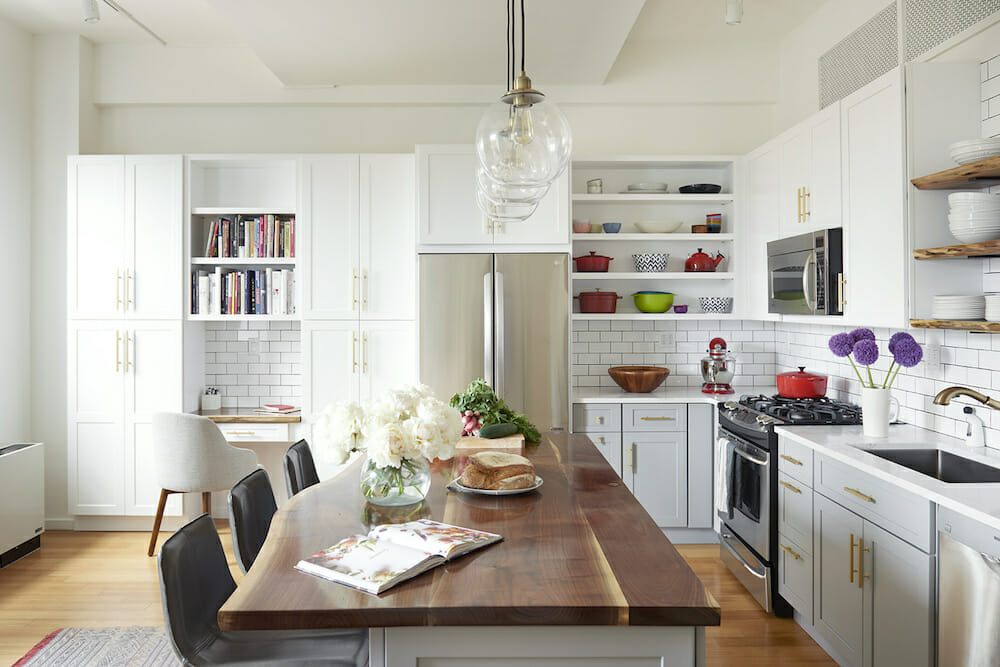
805	274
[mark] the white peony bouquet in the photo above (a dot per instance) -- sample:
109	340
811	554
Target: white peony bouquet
404	423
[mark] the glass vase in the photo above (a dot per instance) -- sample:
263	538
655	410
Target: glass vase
405	485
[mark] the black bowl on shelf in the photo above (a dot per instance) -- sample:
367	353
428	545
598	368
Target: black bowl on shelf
700	189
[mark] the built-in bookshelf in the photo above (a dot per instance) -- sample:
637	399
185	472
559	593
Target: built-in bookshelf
242	237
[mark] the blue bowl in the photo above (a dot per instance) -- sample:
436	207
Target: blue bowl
611	227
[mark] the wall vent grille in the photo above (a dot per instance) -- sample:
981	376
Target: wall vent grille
931	22
861	57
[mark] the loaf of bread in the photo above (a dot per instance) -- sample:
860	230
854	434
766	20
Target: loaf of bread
498	471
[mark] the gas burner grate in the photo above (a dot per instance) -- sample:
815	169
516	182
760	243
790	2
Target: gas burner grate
804	410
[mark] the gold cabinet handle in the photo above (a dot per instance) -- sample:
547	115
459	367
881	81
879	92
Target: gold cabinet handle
791	460
793	489
850	577
791	552
364	351
241	432
861	563
118	341
798	198
840	290
364	290
657	419
598	420
600	440
354	352
118	289
128	291
864	496
806	204
128	339
354	290
630	457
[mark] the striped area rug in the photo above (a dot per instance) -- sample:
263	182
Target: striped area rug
102	647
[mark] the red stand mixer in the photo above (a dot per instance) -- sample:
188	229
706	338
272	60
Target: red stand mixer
718	368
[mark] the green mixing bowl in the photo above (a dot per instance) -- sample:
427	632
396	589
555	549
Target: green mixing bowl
653	302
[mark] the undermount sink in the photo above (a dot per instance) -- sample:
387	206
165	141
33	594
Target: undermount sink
941	465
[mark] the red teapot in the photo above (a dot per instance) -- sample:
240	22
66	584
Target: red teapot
700	261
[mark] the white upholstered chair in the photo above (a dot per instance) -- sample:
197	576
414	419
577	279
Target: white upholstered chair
191	455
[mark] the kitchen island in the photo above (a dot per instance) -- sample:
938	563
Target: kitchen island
583	576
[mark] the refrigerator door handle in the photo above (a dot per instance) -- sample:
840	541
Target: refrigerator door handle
499	335
488	328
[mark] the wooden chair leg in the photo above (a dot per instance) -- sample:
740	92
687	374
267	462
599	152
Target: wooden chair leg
206	502
159	519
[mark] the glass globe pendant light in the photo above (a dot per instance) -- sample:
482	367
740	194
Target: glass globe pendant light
523	141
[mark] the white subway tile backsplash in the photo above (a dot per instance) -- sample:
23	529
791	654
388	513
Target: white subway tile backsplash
250	379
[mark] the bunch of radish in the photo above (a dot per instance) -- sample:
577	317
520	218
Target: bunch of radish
470	423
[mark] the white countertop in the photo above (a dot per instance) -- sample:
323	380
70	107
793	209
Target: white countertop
846	443
663	395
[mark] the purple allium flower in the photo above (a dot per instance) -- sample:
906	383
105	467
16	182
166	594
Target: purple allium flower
862	334
866	352
896	338
908	353
841	344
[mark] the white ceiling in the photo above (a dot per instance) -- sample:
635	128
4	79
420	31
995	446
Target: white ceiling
416	42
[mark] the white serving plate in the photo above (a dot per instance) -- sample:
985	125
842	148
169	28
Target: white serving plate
456	485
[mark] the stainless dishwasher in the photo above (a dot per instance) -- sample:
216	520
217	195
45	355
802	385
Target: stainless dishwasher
968	592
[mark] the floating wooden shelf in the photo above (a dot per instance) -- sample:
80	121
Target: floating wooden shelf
981	174
968	325
983	249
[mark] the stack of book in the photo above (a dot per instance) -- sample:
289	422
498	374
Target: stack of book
247	292
251	236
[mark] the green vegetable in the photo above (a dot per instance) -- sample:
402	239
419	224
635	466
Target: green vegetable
479	397
497	430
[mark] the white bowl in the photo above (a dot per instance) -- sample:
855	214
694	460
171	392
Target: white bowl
972	197
648	186
976	237
658	227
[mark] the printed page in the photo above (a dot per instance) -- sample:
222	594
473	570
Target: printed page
435	537
368	564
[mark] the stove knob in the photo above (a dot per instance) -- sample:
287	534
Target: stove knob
765	419
731	405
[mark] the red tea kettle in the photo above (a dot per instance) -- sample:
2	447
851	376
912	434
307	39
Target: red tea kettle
700	261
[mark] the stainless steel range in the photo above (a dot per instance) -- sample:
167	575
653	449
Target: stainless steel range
746	488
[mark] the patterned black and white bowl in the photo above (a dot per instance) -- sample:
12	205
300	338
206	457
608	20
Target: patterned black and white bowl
716	304
650	262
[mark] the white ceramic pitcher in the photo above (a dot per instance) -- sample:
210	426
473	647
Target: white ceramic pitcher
878	409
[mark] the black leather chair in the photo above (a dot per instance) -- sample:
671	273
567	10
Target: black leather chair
300	469
194	583
251	506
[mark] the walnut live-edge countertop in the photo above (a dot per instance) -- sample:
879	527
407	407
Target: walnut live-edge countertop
248	416
580	550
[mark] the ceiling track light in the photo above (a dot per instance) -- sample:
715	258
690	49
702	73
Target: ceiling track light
92	14
734	12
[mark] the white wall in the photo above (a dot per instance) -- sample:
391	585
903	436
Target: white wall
15	230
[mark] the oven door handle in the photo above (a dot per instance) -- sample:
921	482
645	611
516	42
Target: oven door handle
740	450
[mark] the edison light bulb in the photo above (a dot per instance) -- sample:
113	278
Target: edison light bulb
522	130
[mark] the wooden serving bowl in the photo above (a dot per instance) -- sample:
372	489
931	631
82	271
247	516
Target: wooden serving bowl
638	379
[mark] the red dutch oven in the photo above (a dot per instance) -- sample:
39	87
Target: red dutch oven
592	263
799	384
598	301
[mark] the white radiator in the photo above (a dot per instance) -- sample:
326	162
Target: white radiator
22	499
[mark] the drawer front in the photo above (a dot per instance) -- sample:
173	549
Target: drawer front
795	518
795	460
654	417
610	445
984	539
255	432
900	512
795	576
597	417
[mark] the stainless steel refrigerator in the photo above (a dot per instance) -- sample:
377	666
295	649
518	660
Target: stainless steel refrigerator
504	318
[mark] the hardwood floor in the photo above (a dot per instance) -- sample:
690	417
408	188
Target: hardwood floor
90	579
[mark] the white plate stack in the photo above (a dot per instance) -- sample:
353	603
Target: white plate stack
973	150
993	307
974	217
958	307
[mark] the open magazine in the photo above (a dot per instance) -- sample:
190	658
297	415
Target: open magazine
392	553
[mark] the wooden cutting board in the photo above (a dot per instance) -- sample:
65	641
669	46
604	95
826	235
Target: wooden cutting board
512	443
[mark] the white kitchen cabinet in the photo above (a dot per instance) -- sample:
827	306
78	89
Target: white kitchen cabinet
125	236
655	471
347	360
763	203
448	215
809	174
359	259
120	373
610	446
876	242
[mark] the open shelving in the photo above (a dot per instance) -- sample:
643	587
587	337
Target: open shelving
979	174
654	316
967	325
649	238
983	249
671	275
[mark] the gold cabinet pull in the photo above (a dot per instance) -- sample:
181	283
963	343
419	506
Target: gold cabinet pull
864	496
598	420
364	290
791	460
118	341
354	352
364	351
798	198
657	419
806	204
354	290
128	339
793	489
840	290
861	563
241	432
128	291
850	578
790	552
118	289
600	440
628	456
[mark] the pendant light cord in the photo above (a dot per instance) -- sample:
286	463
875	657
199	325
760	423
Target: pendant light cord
510	44
522	35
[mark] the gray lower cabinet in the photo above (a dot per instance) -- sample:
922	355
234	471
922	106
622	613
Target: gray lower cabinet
610	445
655	471
873	591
